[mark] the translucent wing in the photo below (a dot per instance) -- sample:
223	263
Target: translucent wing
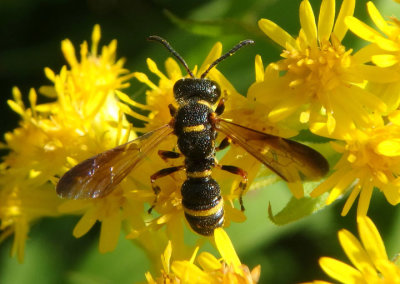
97	176
291	160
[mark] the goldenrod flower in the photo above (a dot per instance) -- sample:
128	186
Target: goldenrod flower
85	118
370	158
209	269
384	51
368	257
321	81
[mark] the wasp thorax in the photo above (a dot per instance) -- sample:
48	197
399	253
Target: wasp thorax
196	89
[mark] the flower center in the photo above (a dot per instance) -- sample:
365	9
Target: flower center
315	68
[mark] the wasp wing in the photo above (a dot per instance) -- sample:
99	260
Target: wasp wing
291	160
97	176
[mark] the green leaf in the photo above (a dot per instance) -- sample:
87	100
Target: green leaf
297	209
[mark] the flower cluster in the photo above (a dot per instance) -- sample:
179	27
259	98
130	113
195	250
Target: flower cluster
209	269
339	94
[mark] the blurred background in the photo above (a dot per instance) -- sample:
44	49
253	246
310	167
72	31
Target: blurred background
31	34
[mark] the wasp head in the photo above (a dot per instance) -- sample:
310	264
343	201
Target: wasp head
196	89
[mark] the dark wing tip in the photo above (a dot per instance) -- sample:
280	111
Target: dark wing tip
314	164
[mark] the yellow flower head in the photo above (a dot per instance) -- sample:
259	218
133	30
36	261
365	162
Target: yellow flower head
384	52
208	269
321	80
370	158
85	118
368	257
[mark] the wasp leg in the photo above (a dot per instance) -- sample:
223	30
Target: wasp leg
220	107
165	155
161	173
242	184
224	143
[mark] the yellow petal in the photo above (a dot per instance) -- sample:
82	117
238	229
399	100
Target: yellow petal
149	278
173	70
259	69
109	232
96	35
340	271
307	21
327	184
144	79
392	194
345	181
276	33
85	223
377	75
355	252
385	60
369	34
364	54
69	52
125	98
16	107
326	19
208	262
347	9
49	74
394	117
154	69
365	198
377	18
166	257
226	249
371	239
186	272
350	200
389	148
214	54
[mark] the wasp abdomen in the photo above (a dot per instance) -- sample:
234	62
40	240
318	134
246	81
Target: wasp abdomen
203	204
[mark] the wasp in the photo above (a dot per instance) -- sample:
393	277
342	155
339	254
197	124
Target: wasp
195	122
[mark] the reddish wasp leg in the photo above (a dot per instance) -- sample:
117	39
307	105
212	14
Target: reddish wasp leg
224	143
242	184
161	173
220	107
165	155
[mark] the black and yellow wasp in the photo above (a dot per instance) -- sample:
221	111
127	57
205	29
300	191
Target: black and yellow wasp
195	122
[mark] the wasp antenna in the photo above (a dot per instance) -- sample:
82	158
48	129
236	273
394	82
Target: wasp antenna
229	53
170	49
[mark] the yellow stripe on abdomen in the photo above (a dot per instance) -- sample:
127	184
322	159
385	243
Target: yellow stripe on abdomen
205	213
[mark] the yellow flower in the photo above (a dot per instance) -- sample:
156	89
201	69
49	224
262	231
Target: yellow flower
209	269
370	158
384	51
84	118
369	259
321	81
